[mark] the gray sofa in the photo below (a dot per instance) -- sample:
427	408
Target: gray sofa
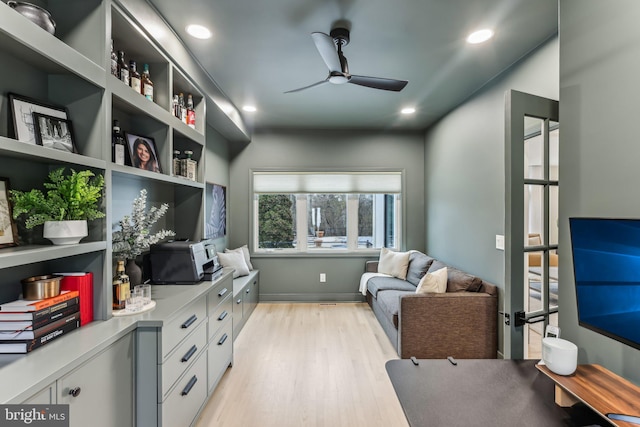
462	322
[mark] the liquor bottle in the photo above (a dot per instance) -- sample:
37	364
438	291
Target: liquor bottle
117	145
134	77
121	287
183	108
175	106
176	163
191	113
114	61
147	84
123	68
189	166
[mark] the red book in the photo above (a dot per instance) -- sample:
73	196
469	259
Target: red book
83	283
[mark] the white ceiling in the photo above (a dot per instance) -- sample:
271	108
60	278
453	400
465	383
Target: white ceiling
262	48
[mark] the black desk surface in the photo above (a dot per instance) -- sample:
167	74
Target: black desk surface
475	393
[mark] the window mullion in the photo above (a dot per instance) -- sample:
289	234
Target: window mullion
352	221
302	226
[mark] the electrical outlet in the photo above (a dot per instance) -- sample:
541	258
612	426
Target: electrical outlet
500	242
323	277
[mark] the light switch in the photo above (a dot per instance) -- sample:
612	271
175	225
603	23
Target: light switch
500	242
323	277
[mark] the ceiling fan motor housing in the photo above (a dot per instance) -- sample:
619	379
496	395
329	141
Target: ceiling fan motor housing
340	36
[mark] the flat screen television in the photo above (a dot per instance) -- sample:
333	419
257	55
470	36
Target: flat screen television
606	263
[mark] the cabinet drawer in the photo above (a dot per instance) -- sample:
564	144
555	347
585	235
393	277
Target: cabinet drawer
183	356
220	353
182	325
218	294
186	398
222	313
237	310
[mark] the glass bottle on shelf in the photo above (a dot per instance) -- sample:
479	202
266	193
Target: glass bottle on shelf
176	163
175	106
114	61
189	166
123	68
121	287
191	113
147	84
183	108
117	145
134	77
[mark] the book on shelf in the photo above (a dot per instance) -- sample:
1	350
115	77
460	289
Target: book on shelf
30	334
22	305
83	283
25	346
35	319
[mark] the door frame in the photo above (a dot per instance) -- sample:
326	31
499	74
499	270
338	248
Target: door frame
517	106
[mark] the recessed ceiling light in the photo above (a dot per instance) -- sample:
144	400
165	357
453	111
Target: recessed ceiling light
480	36
408	110
249	108
198	31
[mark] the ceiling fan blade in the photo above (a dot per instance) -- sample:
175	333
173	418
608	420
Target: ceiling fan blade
308	87
326	47
378	83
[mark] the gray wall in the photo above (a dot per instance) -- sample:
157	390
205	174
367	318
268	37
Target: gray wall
599	151
465	169
216	159
297	278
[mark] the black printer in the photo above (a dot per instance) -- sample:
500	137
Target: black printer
183	262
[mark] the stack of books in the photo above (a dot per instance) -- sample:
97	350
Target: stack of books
27	325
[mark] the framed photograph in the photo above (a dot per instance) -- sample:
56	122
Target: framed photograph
216	211
8	230
53	132
143	153
22	109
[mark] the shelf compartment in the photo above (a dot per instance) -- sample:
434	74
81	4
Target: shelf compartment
12	148
184	85
33	45
29	254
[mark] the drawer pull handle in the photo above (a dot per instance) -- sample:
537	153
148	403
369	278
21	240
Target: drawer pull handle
189	386
248	290
223	339
223	315
222	292
239	301
189	353
189	322
75	392
255	282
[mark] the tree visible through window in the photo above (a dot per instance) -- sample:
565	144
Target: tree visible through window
276	221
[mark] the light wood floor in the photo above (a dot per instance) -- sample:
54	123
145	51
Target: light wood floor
307	364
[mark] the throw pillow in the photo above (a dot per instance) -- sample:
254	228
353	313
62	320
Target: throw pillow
419	264
459	281
245	252
393	263
236	261
433	282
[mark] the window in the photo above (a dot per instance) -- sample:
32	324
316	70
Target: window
326	211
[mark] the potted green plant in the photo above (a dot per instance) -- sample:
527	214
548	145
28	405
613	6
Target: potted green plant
68	202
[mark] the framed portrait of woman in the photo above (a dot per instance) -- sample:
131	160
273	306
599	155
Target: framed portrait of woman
143	153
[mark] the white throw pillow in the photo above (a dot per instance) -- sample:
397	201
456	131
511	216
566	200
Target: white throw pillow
393	263
433	282
236	261
245	252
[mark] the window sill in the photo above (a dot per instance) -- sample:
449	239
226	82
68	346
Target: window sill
319	253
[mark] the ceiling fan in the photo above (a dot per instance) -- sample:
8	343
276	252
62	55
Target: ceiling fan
338	67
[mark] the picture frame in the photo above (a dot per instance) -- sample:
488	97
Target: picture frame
54	132
22	109
216	211
8	230
139	148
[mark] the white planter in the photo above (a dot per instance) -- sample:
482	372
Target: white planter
65	232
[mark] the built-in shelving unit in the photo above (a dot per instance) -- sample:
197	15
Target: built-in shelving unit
72	69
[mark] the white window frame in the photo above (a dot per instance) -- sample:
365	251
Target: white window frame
302	248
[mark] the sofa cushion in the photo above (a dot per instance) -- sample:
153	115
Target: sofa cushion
419	263
389	302
382	283
458	281
393	263
435	282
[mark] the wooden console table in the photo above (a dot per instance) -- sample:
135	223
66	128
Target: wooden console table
600	389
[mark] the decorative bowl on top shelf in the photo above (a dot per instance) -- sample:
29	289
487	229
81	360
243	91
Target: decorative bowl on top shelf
35	14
